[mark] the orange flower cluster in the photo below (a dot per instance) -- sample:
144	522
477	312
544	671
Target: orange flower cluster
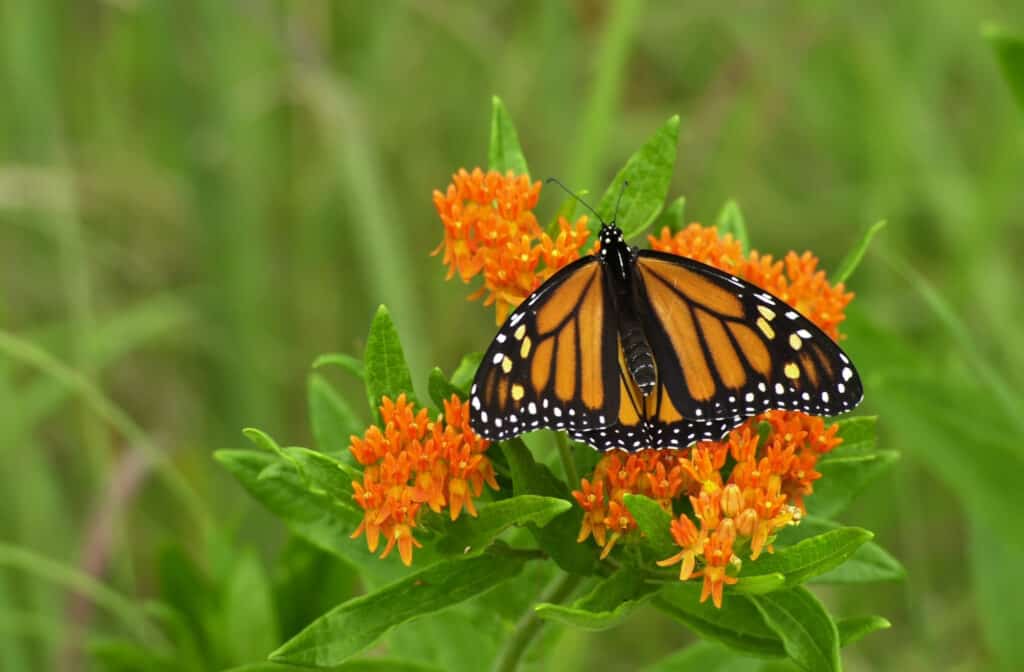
796	279
413	461
742	512
490	229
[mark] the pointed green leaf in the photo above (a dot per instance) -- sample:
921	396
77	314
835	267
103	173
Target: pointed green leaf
557	538
332	418
808	633
868	564
730	220
262	440
738	624
440	389
853	629
470	535
810	557
353	626
853	259
387	374
674	217
758	584
465	371
654	522
849	468
326	522
1009	50
504	153
607	605
858	434
353	365
843	477
327	474
649	172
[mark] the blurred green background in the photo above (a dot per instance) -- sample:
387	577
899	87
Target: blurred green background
199	197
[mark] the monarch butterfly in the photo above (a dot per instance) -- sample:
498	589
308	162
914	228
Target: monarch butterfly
631	349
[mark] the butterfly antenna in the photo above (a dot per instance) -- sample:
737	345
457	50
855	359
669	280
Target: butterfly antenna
622	190
555	180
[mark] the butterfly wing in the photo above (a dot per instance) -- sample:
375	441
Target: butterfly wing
553	363
726	350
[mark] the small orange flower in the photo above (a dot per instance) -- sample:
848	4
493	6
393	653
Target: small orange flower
717	557
413	461
490	229
686	536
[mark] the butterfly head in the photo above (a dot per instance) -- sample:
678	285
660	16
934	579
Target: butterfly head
610	235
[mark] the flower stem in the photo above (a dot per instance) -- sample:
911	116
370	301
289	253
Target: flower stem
560	588
568	463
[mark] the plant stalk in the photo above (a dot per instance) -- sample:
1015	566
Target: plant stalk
529	626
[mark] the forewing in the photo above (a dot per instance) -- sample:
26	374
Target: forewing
553	363
726	349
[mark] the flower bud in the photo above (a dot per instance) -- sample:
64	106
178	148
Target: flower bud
732	500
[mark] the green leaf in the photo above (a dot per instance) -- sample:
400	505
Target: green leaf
853	629
327	474
332	419
649	172
440	389
470	535
387	374
706	657
738	624
353	626
1009	50
858	433
504	153
849	468
730	220
465	371
248	625
758	584
808	633
810	557
869	563
654	522
557	538
367	665
674	217
263	440
607	605
323	521
854	257
353	365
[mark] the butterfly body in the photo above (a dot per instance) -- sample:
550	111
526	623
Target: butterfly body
632	349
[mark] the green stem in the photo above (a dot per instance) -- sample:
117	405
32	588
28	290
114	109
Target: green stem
568	463
529	625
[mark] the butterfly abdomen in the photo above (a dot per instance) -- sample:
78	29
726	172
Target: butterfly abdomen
639	358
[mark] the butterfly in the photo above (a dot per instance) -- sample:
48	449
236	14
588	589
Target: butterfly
632	349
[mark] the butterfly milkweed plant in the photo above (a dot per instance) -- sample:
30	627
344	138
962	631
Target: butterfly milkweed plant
489	549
